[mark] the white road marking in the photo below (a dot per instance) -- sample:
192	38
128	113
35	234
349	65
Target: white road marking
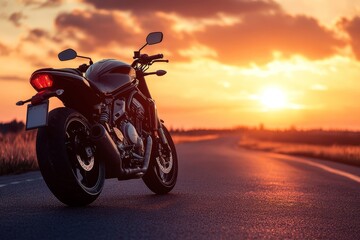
18	182
327	169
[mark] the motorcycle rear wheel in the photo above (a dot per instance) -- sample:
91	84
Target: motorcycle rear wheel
67	158
161	175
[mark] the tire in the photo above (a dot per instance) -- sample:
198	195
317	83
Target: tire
67	160
162	173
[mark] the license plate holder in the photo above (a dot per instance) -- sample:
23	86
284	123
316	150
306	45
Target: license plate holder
37	115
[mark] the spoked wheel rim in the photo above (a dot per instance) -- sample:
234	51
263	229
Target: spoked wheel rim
81	153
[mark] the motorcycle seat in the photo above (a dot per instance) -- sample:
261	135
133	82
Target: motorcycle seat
70	70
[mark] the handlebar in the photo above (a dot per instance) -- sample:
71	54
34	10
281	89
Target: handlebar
156	56
143	61
144	58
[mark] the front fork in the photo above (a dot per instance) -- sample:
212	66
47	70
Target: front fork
156	126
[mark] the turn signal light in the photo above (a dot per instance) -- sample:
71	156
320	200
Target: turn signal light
41	81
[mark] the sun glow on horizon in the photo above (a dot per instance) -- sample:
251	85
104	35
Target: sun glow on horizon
273	98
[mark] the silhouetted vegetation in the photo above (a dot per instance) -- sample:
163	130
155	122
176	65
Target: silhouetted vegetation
313	137
292	135
11	127
335	145
17	152
340	146
18	146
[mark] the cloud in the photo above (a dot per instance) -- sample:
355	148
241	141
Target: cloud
50	3
37	33
42	4
4	50
189	8
29	2
93	29
260	29
11	78
38	36
352	27
235	32
258	36
16	18
96	31
37	47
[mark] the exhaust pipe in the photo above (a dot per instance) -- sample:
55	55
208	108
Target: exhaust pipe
111	155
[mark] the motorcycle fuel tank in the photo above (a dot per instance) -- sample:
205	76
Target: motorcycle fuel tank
109	75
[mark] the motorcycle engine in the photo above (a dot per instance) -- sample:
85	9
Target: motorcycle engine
133	137
129	126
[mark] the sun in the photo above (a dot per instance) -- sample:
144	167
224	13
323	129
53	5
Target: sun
273	98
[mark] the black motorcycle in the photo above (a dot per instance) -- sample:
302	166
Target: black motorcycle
108	127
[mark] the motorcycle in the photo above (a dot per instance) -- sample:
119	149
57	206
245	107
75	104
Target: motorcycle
108	127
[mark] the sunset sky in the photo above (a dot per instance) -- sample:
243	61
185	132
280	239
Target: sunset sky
232	62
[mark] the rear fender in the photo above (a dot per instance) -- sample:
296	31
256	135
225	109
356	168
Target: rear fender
77	93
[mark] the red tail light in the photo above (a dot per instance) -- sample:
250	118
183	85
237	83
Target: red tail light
41	81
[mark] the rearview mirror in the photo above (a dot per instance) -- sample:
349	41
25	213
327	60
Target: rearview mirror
154	38
67	54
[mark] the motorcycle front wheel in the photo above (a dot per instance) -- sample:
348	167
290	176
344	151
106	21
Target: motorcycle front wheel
162	173
67	158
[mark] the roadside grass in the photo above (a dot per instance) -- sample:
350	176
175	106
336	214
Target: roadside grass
17	152
339	153
18	155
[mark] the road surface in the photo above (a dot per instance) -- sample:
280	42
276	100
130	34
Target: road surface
223	192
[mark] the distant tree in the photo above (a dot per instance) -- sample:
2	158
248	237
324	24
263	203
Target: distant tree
293	128
11	127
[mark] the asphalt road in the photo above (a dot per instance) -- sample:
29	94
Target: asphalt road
223	192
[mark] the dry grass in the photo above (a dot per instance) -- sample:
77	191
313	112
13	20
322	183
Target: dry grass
338	153
17	152
18	155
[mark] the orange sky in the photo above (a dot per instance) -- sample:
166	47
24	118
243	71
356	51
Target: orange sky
233	62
